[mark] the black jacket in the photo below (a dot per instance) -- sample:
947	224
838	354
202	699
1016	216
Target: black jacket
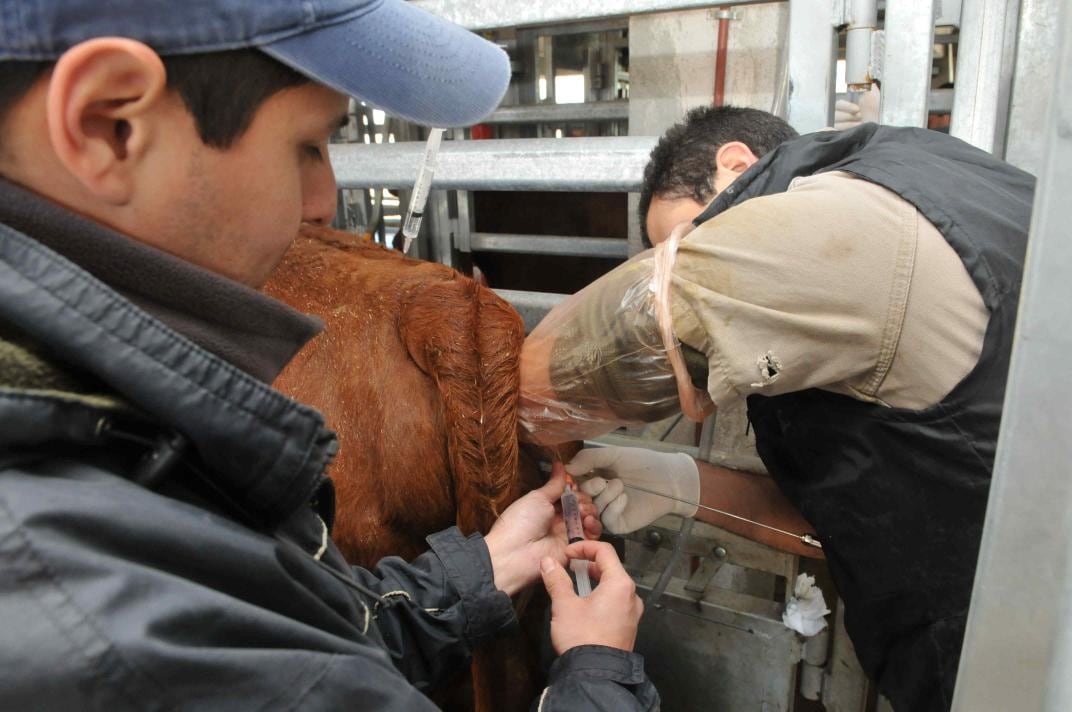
164	533
898	496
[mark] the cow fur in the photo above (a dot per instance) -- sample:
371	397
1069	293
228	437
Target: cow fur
417	370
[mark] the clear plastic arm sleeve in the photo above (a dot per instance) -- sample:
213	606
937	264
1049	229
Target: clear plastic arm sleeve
598	361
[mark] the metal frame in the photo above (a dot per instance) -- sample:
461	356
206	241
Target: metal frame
811	58
906	66
562	245
532	306
615	110
984	78
720	622
493	15
611	164
1018	647
602	164
1036	67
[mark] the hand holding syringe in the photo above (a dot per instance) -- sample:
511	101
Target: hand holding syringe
571	514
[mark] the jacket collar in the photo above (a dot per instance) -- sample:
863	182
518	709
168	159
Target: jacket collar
243	326
264	449
803	156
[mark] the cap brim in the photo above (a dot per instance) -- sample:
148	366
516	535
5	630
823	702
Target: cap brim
405	61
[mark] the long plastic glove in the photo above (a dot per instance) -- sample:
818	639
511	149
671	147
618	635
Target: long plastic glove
622	509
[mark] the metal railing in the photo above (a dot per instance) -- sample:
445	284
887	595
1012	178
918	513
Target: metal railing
493	14
604	164
599	164
1018	644
617	110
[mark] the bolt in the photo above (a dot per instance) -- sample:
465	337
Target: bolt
719	552
653	538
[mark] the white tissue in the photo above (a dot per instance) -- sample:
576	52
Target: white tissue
805	610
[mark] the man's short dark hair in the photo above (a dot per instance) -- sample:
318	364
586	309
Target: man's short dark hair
682	164
222	90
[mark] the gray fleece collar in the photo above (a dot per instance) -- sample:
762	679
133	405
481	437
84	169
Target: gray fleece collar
244	327
265	449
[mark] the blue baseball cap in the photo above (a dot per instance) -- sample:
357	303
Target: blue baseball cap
388	53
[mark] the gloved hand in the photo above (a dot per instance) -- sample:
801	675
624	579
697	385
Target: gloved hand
848	115
622	509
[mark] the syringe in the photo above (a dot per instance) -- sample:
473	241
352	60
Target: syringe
571	513
419	197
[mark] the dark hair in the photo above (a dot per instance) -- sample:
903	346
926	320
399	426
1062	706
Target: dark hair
222	90
682	164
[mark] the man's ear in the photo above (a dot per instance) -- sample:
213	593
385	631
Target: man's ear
735	157
99	107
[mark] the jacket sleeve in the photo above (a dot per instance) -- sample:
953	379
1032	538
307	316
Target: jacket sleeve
434	611
460	608
595	678
114	597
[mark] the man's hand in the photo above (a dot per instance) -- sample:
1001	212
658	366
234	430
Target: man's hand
623	509
531	529
608	616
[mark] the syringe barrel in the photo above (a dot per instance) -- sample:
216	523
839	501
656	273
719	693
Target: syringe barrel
571	513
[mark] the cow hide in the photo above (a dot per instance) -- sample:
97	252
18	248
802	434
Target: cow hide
417	371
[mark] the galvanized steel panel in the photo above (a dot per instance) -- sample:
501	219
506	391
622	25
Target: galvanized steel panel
510	13
604	164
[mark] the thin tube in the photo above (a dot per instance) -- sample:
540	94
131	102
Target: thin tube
419	198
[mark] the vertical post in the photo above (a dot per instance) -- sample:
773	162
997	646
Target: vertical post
1036	66
1017	652
984	72
907	61
812	52
861	27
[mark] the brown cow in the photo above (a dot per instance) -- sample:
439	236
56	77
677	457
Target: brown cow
417	370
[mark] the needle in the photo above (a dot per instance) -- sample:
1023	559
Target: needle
806	539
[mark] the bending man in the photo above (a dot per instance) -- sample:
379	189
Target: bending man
859	289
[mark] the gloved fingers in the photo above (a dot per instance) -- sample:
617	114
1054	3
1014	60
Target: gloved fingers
593	486
613	515
614	490
592	459
846	107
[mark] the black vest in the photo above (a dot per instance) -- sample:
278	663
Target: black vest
898	496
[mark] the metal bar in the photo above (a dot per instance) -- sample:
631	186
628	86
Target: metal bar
937	100
948	13
613	24
465	221
862	24
491	15
532	306
906	65
1036	66
566	246
812	50
1020	615
603	164
617	110
984	73
441	229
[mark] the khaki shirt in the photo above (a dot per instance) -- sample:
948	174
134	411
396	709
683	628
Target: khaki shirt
836	284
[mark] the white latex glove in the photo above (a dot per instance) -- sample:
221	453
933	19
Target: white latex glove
848	115
622	509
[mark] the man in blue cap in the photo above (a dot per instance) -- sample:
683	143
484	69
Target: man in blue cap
164	513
